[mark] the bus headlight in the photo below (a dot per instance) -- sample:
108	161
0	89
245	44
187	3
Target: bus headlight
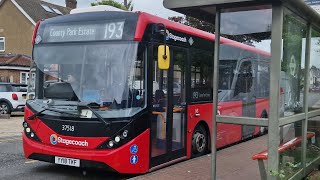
125	133
29	132
111	144
116	140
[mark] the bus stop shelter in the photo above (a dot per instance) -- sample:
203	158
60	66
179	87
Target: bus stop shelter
288	32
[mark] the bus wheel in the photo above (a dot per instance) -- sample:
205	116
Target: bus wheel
199	141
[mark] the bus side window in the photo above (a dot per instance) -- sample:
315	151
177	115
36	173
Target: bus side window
245	79
263	80
201	76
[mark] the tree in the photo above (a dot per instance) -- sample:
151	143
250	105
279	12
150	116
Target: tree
193	22
208	27
127	6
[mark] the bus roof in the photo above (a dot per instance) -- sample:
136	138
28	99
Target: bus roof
142	20
145	19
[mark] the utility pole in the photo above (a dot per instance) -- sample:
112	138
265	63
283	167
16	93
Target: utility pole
125	3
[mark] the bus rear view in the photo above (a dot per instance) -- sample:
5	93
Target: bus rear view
87	106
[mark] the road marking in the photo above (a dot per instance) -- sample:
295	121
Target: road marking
31	161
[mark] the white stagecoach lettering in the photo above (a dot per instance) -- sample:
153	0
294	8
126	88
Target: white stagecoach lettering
72	142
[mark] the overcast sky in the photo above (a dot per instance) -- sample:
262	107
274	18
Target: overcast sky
151	6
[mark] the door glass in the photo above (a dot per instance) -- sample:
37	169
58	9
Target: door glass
179	58
159	118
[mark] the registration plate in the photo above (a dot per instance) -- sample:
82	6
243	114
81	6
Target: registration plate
67	161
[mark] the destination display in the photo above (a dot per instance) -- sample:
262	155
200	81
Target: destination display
312	2
84	32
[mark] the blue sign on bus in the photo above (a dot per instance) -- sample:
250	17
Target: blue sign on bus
134	149
134	159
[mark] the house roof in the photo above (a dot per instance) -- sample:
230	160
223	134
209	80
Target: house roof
34	10
15	60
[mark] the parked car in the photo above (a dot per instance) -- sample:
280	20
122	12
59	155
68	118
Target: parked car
12	97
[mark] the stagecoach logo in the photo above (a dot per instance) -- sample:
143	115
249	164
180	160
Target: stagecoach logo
54	139
174	37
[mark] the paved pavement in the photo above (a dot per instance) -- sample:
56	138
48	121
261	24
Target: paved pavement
232	163
11	127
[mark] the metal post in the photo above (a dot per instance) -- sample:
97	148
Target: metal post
275	68
125	3
215	95
305	98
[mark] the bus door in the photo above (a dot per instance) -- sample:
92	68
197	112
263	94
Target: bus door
168	124
245	91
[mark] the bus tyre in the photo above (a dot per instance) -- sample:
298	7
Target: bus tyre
5	108
199	141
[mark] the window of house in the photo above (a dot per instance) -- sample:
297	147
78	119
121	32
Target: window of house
57	11
47	8
24	76
2	44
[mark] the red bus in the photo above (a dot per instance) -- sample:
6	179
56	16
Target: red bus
101	100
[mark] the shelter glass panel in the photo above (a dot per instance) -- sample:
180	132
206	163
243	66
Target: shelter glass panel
313	143
244	63
290	157
293	63
314	72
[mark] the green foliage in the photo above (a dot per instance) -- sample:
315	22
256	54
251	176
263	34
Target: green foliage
208	27
193	22
280	174
115	4
274	173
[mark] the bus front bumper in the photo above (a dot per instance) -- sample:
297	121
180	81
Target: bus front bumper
119	159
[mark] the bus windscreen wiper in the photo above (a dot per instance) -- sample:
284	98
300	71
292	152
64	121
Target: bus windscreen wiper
53	110
98	116
101	119
87	105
